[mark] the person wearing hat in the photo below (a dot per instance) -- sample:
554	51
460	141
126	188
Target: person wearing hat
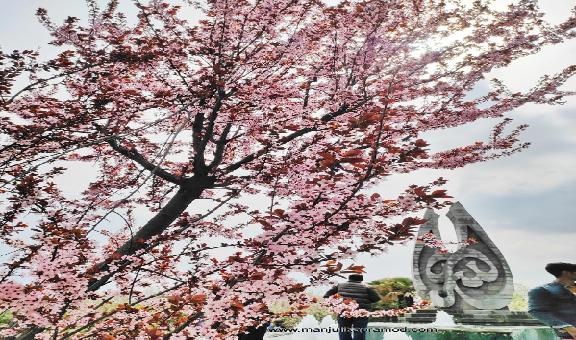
354	289
554	304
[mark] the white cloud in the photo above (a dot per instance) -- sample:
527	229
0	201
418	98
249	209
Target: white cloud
527	252
535	174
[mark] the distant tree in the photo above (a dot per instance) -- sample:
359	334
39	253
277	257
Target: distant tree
5	318
300	105
316	309
390	289
519	298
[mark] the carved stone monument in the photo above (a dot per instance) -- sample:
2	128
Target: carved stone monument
476	276
474	283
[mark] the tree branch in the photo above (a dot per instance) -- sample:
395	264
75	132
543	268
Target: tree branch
134	155
324	119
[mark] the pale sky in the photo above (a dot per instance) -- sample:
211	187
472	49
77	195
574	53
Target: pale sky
524	202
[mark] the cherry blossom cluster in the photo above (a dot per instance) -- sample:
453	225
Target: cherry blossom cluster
349	308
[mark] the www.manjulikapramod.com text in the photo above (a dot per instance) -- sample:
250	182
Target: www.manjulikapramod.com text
345	329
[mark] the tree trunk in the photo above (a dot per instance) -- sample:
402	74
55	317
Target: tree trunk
157	224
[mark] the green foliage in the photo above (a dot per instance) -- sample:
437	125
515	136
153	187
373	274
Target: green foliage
288	321
519	299
278	306
282	306
390	289
5	317
319	311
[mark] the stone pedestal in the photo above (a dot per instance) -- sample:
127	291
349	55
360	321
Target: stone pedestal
475	317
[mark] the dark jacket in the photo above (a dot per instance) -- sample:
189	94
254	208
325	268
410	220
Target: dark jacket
553	304
357	291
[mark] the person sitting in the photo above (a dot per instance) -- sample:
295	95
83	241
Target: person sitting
554	304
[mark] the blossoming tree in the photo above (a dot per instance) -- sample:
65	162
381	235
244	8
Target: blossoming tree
297	104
